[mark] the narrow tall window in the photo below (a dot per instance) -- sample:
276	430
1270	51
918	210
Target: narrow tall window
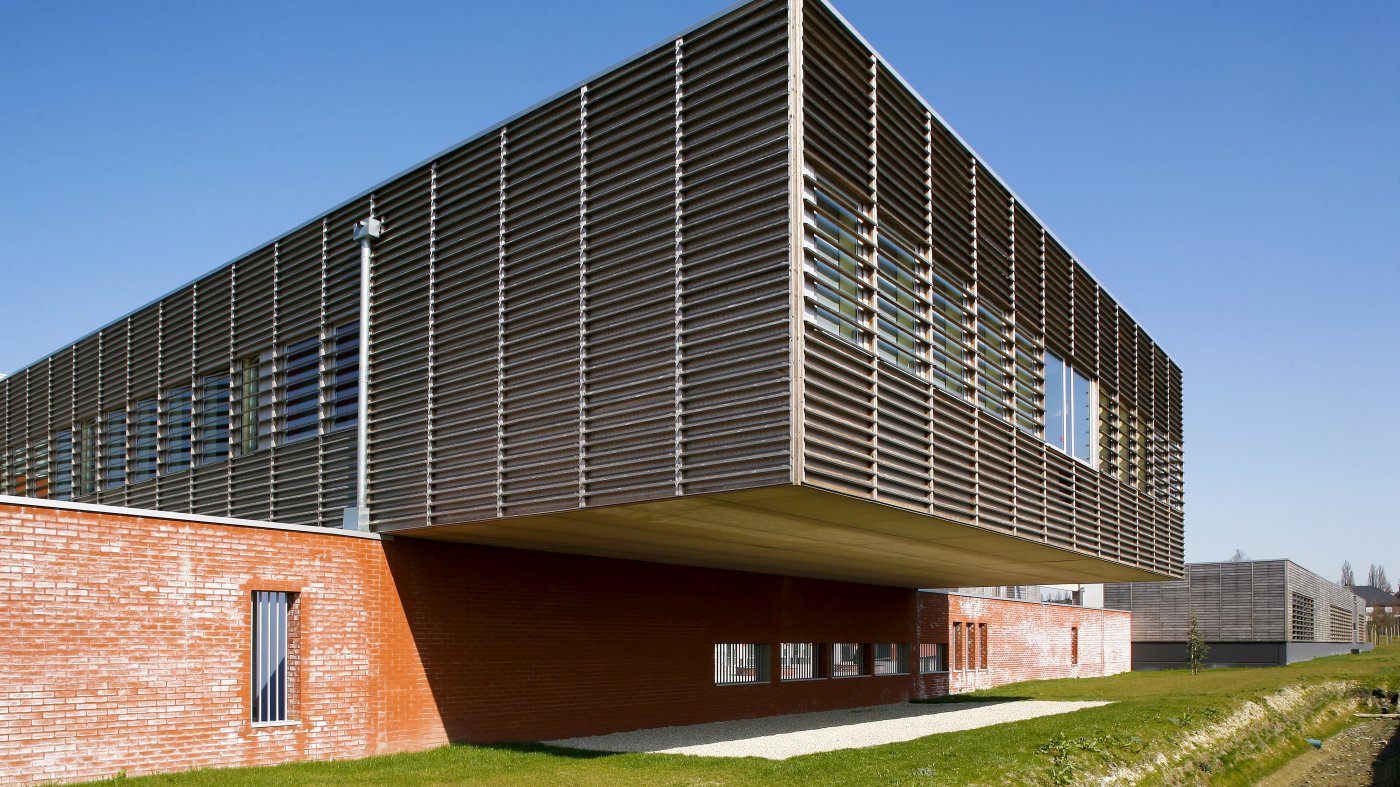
85	468
344	377
971	640
1028	385
982	645
62	485
1055	402
741	663
994	363
1082	391
144	438
246	399
39	469
903	303
301	390
177	425
272	655
957	640
837	262
212	414
1074	645
114	449
952	343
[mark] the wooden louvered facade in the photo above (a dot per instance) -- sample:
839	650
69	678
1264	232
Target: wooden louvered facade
588	334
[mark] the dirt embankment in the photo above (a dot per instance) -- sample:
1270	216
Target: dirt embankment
1365	753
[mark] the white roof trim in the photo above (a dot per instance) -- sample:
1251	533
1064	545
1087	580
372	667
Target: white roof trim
93	508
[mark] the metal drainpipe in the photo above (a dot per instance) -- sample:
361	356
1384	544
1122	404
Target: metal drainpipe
357	518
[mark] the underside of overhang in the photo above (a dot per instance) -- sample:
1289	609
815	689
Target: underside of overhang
797	531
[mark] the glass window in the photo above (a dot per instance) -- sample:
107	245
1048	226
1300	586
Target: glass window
837	262
903	304
741	663
994	356
246	399
1029	379
1082	393
62	485
114	449
177	426
212	425
797	660
952	334
18	472
1055	384
848	660
344	378
301	390
85	470
144	432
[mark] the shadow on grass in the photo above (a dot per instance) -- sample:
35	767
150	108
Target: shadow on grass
540	748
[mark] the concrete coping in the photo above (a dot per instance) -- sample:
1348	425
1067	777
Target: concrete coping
147	513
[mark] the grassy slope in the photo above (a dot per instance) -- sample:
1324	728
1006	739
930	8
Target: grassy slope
1150	712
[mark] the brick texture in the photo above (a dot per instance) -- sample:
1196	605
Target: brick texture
124	642
1025	641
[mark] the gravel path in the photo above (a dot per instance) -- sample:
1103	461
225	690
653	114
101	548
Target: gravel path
781	737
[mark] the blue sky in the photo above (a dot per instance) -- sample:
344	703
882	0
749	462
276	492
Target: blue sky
1230	171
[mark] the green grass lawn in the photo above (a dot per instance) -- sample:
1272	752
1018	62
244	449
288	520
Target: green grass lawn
1151	711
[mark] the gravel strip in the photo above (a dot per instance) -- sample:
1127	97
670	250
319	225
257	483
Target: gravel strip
781	737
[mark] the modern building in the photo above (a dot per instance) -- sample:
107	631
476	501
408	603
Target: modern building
739	313
1252	613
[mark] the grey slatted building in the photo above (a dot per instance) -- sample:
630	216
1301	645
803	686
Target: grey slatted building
1251	613
743	301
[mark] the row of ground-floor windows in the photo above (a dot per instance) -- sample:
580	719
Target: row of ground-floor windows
748	662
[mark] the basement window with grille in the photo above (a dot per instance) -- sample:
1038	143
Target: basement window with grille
890	658
848	660
742	662
797	661
276	625
933	657
1304	618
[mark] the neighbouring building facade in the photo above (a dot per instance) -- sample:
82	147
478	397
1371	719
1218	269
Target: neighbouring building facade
737	323
1252	613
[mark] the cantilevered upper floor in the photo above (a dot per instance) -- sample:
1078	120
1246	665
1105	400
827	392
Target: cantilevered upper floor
743	300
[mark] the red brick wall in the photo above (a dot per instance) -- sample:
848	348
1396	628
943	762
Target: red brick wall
1025	641
124	643
531	645
124	646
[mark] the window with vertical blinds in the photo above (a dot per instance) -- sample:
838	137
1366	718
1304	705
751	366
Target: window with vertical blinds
271	656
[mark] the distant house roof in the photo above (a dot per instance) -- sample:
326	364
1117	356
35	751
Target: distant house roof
1375	597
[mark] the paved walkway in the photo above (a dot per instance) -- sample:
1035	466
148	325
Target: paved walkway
781	737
